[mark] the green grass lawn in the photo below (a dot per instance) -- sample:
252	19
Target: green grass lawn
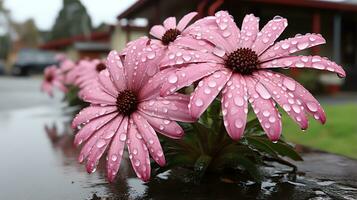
338	135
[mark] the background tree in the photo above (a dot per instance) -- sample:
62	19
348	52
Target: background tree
73	19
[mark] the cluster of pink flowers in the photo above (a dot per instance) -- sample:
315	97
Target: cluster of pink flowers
134	93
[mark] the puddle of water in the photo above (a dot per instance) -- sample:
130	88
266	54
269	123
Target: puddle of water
40	162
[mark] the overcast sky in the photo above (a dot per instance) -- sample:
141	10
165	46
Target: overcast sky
45	11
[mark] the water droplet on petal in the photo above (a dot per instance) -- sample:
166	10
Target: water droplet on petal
262	91
266	113
302	45
286	107
311	106
212	83
160	153
290	84
114	157
100	143
238	123
199	102
296	108
219	52
109	134
172	78
137	163
122	137
239	101
151	55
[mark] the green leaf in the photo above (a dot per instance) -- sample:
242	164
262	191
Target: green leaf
262	146
281	148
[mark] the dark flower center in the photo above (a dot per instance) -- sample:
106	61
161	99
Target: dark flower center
127	102
170	36
243	60
49	78
100	66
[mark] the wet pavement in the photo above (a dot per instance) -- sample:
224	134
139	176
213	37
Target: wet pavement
38	161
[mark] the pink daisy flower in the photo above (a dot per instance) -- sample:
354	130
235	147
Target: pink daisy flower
125	111
239	63
84	74
170	31
52	78
66	65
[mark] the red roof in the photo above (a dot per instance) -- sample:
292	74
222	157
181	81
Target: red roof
62	43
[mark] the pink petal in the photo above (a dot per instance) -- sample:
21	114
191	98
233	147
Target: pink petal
200	31
96	133
154	84
116	149
91	127
107	83
157	31
185	76
116	70
315	62
141	62
303	96
235	106
102	143
138	153
191	43
170	23
96	95
207	90
185	20
179	56
227	28
292	45
249	31
166	108
286	99
91	112
270	32
150	67
265	110
164	126
151	140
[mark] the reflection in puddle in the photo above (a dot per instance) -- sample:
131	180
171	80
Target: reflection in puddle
41	163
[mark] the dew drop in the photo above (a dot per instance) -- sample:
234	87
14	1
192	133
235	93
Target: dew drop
172	78
296	108
137	163
151	55
160	153
290	84
100	143
302	45
311	106
199	102
238	123
286	107
239	101
122	137
262	91
212	83
114	157
266	113
219	52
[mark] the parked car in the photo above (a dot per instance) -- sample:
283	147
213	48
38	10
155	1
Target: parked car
32	61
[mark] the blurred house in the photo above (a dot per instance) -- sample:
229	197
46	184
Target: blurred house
125	32
335	19
93	45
